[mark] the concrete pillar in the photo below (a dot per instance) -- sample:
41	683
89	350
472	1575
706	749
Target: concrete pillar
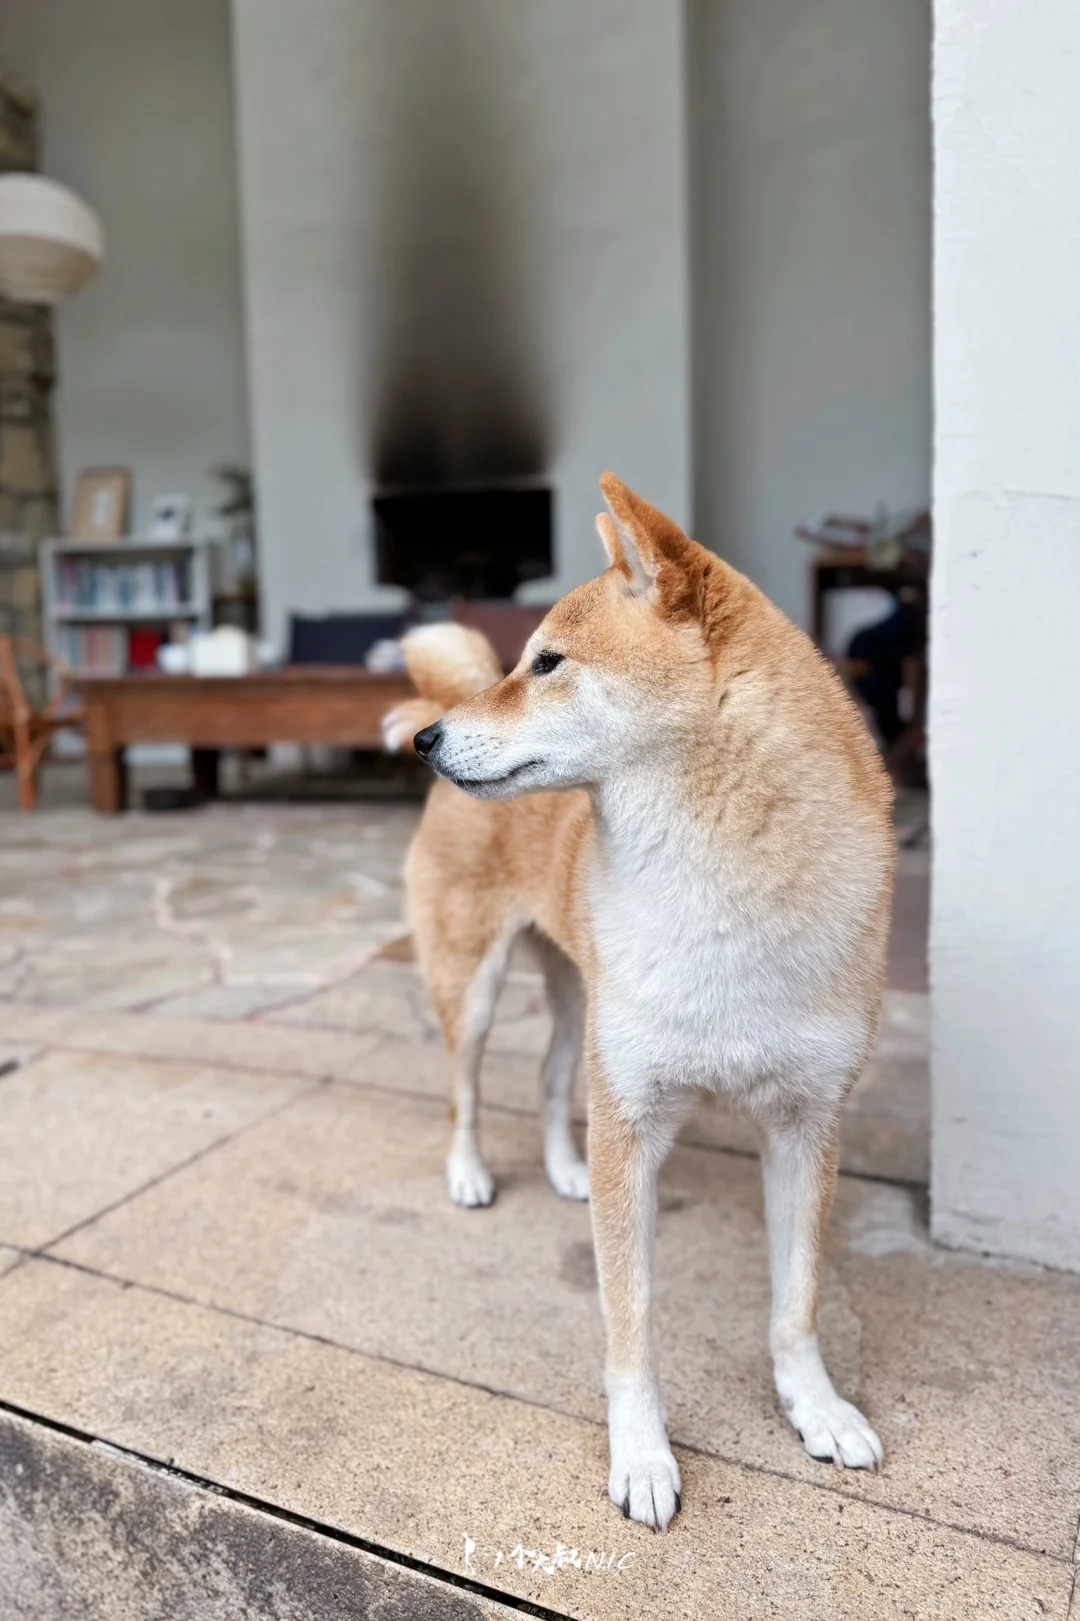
1005	708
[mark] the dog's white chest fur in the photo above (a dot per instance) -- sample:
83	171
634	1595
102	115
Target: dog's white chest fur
701	985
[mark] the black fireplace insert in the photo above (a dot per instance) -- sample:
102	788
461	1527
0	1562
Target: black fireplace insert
477	543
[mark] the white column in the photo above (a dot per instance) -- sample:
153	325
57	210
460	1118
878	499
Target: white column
1005	707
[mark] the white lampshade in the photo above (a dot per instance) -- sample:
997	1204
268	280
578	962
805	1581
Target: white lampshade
51	243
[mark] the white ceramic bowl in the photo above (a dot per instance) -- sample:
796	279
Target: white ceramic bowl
174	658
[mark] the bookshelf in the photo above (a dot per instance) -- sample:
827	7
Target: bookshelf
106	607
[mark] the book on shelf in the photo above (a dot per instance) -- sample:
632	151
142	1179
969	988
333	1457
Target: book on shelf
159	586
109	649
143	647
94	649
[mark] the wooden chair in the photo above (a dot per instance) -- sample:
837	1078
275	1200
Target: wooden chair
26	732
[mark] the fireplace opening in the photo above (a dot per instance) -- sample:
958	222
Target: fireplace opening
474	543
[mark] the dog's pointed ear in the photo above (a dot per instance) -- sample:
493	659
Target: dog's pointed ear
644	545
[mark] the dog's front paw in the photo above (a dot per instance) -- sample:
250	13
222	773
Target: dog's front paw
833	1431
647	1488
470	1182
644	1480
830	1428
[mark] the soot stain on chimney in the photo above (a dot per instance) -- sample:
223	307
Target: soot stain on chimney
457	379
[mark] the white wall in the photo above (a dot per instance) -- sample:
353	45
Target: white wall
811	196
137	116
1005	649
378	144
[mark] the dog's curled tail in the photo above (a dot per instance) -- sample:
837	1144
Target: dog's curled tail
448	663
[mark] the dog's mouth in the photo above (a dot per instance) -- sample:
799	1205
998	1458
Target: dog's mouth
472	785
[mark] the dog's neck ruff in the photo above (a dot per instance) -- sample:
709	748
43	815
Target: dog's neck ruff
648	818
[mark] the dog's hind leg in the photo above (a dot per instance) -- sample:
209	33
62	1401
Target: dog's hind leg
567	1171
466	1019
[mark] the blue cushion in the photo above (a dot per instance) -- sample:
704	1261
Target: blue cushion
340	638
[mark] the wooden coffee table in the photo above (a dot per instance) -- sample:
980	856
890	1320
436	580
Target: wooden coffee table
303	704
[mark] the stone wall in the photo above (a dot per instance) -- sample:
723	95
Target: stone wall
28	497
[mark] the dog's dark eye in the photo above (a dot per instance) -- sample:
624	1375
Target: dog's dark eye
544	663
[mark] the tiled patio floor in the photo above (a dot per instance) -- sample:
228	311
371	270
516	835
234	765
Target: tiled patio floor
226	1252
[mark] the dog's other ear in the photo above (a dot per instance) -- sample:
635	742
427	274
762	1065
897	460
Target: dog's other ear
623	556
623	553
651	551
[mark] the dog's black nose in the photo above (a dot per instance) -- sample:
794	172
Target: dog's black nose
424	742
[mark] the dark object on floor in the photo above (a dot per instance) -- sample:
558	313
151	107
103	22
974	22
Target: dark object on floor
8	1067
168	799
340	638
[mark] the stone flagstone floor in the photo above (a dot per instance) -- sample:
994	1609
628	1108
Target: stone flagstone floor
226	1251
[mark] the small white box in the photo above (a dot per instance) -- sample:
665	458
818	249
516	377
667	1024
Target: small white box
225	651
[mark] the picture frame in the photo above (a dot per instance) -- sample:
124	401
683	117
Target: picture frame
102	503
170	517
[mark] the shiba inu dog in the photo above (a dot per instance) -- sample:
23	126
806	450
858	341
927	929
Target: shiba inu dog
709	890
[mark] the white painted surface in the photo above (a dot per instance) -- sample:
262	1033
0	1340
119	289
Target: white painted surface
137	118
553	128
812	271
1005	651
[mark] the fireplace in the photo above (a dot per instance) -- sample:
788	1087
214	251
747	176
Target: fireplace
473	542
